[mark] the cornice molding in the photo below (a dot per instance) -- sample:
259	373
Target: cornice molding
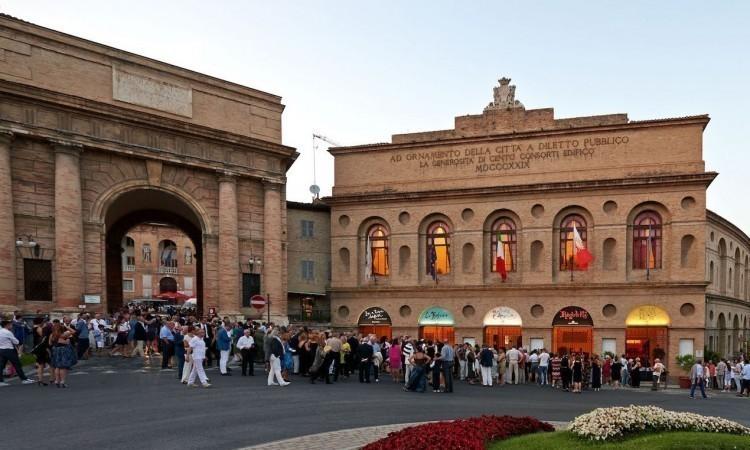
509	287
704	178
387	146
79	105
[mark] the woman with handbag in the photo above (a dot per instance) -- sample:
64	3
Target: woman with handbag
63	355
41	349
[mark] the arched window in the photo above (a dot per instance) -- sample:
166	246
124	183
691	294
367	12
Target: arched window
378	239
438	249
567	247
167	256
128	255
647	241
504	230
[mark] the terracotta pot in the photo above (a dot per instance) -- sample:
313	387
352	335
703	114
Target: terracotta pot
685	382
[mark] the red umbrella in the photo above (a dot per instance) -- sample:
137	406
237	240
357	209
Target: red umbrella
176	296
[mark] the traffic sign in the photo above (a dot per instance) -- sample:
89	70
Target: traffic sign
258	301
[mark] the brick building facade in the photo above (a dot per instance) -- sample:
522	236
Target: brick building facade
309	268
157	258
634	191
95	140
728	293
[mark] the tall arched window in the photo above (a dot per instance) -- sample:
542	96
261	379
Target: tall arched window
504	230
567	247
378	238
647	241
438	249
128	255
167	256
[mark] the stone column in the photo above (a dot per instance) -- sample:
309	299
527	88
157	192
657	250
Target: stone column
229	254
7	227
69	259
272	281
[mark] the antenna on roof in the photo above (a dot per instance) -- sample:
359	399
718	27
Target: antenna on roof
315	189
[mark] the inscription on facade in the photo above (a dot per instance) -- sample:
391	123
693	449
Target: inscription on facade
152	93
494	158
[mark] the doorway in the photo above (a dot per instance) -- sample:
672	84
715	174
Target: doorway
647	343
438	333
506	337
573	339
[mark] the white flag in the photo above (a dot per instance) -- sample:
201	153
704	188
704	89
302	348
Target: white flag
368	259
577	241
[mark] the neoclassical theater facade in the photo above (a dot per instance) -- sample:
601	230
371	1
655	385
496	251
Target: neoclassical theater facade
439	202
95	140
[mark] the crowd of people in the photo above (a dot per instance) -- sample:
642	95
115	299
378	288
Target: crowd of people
187	345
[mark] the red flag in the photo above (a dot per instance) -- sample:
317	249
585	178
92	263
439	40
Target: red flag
581	255
500	259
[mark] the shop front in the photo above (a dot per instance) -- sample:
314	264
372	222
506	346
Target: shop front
572	331
375	320
647	334
437	324
502	328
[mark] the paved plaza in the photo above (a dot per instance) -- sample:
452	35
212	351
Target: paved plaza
116	403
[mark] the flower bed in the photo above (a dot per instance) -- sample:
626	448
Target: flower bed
614	422
464	434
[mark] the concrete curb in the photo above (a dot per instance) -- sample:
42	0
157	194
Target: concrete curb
349	439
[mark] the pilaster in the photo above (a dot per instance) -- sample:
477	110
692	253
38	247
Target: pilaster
69	255
229	259
273	272
7	226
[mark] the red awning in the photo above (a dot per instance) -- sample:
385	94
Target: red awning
176	296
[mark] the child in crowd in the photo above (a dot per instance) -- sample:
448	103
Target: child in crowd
99	338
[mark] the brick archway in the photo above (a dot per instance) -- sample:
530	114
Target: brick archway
136	207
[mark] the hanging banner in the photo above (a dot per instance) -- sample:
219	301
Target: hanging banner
374	316
573	316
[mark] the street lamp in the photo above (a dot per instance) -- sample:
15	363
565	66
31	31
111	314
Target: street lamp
27	241
254	262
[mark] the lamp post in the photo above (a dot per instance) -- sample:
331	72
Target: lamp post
27	241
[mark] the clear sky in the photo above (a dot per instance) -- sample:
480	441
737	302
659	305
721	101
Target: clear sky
358	72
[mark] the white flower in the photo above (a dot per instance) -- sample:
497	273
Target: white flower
613	422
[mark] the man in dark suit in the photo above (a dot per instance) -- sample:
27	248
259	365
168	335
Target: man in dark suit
364	357
208	339
139	336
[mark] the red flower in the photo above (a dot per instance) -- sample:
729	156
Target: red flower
461	434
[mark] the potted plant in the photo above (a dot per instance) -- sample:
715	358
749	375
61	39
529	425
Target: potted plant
685	362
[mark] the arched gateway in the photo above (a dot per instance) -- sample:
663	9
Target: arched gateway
136	141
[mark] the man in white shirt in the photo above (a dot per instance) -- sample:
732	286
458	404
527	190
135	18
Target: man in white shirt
696	378
197	353
513	357
9	352
543	367
246	345
533	364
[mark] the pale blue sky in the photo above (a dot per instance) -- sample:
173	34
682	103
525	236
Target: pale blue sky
359	72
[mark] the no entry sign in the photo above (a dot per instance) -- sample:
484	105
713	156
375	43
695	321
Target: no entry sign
258	301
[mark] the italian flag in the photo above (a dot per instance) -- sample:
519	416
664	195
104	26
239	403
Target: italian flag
500	259
582	257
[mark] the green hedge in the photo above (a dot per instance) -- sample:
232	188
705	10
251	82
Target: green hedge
675	440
